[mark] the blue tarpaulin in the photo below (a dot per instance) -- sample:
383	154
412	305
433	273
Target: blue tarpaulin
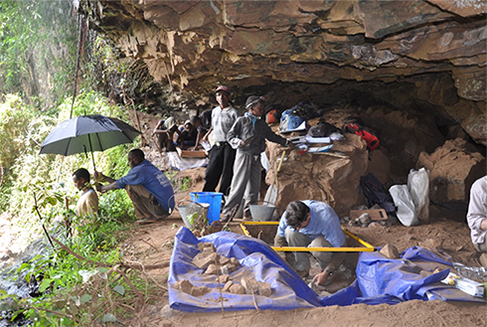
379	280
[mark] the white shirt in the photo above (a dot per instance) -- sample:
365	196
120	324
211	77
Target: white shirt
477	210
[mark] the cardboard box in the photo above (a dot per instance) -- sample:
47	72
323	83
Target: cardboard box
464	284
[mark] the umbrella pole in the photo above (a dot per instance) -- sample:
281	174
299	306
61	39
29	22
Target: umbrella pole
91	150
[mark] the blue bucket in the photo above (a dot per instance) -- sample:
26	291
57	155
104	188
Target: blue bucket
215	201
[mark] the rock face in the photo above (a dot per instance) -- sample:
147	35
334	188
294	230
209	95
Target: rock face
453	168
429	54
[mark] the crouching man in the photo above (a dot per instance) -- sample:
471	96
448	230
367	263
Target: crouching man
311	223
149	189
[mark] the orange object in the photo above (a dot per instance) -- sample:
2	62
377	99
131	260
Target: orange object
271	118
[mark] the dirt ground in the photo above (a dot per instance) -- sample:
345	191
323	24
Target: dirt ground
446	232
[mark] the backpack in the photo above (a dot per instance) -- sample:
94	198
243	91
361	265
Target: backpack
322	129
376	193
369	136
290	120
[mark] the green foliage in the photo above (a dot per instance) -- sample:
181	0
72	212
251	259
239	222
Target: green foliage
36	60
79	291
31	172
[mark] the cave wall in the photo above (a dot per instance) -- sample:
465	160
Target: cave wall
430	55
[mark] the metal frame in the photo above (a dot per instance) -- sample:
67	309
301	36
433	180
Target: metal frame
368	247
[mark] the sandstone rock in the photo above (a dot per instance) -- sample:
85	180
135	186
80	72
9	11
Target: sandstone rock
204	262
453	169
206	245
237	289
313	45
199	290
234	262
227	286
212	269
224	260
265	289
204	253
222	279
251	286
184	286
390	251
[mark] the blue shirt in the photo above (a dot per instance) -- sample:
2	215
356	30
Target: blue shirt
323	222
154	181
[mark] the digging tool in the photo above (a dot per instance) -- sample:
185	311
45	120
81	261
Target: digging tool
271	194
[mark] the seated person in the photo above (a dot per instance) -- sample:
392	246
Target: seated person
203	125
149	189
477	217
164	132
312	223
187	135
88	200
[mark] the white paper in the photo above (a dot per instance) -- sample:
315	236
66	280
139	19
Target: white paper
311	139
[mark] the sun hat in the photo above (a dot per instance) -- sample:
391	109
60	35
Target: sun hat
253	100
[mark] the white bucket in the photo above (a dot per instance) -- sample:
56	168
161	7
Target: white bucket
187	212
262	212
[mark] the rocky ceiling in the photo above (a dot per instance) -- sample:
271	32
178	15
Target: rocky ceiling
419	54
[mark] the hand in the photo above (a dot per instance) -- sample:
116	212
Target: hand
241	143
98	176
99	188
321	278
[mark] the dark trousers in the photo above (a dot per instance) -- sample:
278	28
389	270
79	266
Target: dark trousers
220	164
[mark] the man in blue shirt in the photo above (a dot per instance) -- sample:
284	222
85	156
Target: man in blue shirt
311	223
149	189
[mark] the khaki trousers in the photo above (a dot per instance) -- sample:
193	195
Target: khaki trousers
145	204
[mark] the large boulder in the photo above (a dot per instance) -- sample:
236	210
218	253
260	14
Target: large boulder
453	168
326	177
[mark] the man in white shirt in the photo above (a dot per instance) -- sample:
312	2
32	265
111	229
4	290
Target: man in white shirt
477	217
88	200
222	155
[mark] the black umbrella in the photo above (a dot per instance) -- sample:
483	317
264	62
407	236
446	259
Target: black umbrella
88	133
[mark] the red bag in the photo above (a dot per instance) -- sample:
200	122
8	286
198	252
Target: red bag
369	137
271	117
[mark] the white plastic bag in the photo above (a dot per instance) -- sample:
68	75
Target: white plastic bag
418	186
406	211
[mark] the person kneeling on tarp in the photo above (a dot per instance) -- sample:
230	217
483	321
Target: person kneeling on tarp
311	223
149	189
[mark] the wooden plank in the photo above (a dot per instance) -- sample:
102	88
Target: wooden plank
375	214
192	154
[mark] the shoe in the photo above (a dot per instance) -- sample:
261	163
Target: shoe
302	273
146	221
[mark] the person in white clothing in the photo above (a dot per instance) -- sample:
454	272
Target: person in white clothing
477	217
88	201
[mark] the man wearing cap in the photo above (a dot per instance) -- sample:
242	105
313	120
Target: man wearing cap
248	136
222	155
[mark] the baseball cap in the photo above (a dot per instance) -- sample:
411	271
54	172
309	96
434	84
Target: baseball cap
222	88
252	100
